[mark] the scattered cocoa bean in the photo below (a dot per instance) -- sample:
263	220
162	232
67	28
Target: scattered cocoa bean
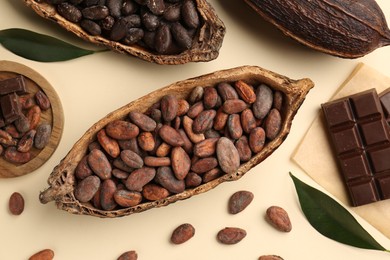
182	233
16	203
270	257
45	254
278	218
239	201
231	235
129	255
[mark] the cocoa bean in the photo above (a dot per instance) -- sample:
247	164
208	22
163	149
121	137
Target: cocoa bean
190	14
42	135
181	36
34	116
279	218
181	163
86	188
196	95
227	154
193	180
234	126
171	136
26	142
203	121
12	155
6	139
257	139
231	235
172	13
211	175
182	107
120	164
109	144
195	109
263	103
146	141
243	149
16	203
245	91
45	254
210	97
152	161
22	124
143	121
220	119
187	146
129	255
69	12
139	178
204	164
150	21
99	164
125	198
163	150
234	106
157	7
163	39
166	178
96	12
270	257
114	7
121	130
26	101
154	192
42	100
205	148
273	124
278	100
226	91
248	120
107	192
132	159
91	27
120	174
182	233
239	200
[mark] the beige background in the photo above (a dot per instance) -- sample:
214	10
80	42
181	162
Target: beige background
92	86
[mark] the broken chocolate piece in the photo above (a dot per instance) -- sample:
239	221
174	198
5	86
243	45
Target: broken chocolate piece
385	101
10	107
10	85
361	141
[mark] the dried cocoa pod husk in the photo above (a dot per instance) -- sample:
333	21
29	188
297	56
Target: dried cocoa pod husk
347	29
205	47
62	180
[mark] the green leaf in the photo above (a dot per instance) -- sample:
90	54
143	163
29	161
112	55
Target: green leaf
331	219
39	47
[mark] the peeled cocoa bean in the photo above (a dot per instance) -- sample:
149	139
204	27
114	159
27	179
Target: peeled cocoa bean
26	142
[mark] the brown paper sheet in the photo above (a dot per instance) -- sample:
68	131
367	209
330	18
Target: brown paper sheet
315	157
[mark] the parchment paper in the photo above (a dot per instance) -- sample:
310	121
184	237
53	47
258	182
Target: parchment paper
315	157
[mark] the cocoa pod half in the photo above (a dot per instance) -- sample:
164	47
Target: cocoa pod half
347	29
166	188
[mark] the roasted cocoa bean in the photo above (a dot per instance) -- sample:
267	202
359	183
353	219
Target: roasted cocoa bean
192	180
16	203
278	218
210	97
125	198
195	109
42	136
99	164
86	188
157	7
120	174
143	121
131	159
163	39
270	257
187	146
196	95
91	27
154	192
244	151
245	91
129	7
6	139
42	100
114	7
211	175
220	119
226	91
26	142
109	144
26	101
122	130
239	200
166	178
107	192
227	154
172	13
96	12
190	14
182	107
12	155
248	120
181	163
231	235
121	165
272	124
34	116
278	100
129	255
182	233
139	178
264	100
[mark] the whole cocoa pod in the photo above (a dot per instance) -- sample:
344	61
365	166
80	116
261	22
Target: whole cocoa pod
348	29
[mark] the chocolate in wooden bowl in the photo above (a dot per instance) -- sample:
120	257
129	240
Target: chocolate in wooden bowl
54	116
62	181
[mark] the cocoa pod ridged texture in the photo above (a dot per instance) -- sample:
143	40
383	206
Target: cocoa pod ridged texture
347	29
172	176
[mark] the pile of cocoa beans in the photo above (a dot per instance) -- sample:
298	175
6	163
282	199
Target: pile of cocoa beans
178	144
165	27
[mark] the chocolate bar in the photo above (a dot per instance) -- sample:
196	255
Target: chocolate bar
10	85
2	123
10	107
361	142
385	101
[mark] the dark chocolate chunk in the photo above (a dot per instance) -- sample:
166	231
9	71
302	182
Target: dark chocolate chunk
10	85
385	101
361	141
10	107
